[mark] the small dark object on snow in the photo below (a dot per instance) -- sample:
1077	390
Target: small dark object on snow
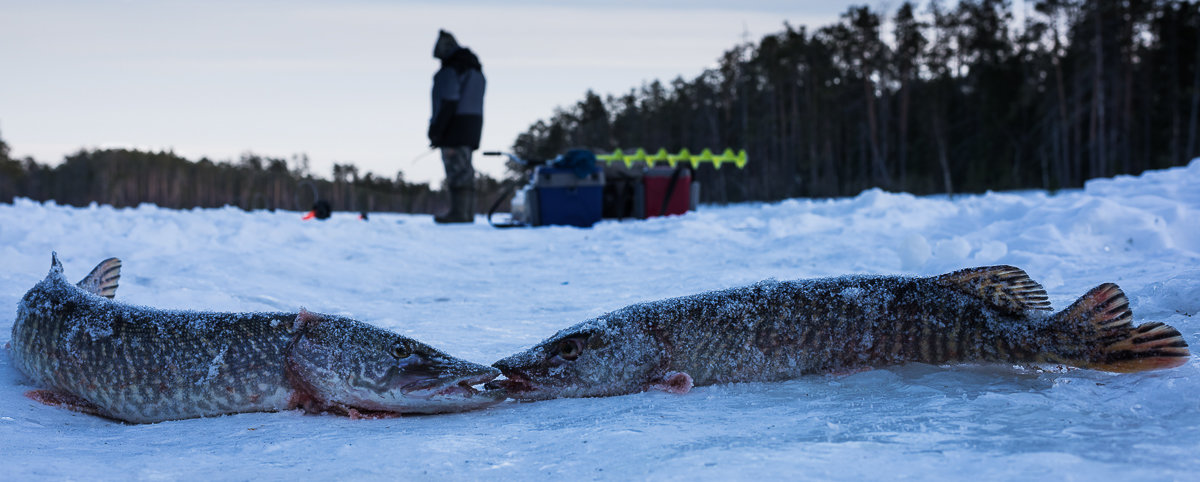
320	210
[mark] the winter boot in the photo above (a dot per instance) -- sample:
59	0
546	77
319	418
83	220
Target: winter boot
469	206
461	207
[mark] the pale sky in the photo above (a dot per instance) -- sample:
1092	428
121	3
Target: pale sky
341	81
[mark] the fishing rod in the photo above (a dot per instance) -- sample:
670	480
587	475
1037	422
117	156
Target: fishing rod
421	156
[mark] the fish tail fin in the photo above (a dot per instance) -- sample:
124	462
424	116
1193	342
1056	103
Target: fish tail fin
103	278
1109	340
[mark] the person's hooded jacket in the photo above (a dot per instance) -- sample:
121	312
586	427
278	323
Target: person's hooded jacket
457	97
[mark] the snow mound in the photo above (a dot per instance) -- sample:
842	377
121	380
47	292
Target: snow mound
483	294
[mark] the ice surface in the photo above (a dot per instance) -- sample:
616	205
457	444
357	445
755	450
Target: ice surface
482	294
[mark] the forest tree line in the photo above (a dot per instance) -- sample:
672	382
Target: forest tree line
938	99
123	177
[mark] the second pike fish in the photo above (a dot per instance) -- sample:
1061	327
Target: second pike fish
781	330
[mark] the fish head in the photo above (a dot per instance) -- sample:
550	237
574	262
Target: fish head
344	364
591	359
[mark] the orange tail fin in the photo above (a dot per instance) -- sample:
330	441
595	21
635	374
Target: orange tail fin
1112	343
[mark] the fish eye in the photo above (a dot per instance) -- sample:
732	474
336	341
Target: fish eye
401	350
570	348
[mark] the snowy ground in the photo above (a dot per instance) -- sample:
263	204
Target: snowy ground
482	293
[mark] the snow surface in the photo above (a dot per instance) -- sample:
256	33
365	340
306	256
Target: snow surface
481	294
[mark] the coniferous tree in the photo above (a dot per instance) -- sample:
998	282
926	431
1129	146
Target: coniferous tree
960	99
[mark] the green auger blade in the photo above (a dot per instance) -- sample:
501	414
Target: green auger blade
695	160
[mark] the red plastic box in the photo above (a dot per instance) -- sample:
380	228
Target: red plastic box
657	182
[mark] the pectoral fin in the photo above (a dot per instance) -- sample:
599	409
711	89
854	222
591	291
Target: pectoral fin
65	400
305	320
674	382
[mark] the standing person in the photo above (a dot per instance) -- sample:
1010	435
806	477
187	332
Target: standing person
457	122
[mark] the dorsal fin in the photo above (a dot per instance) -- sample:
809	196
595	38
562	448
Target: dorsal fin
1006	288
103	278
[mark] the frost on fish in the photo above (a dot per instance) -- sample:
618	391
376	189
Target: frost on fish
140	364
779	330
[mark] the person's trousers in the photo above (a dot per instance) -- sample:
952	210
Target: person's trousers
459	173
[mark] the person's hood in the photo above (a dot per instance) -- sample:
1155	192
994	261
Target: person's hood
462	59
445	46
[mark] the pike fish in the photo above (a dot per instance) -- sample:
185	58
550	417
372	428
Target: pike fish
780	330
144	365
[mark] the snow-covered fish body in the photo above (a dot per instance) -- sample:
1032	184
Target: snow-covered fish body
143	365
780	330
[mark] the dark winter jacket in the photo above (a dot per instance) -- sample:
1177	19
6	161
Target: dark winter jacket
458	101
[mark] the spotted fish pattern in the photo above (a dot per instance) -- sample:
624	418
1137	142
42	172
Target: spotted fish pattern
777	330
139	365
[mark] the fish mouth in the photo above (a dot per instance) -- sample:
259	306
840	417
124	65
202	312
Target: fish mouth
515	382
454	387
430	395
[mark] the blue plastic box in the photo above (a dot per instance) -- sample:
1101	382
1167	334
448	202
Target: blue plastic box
565	198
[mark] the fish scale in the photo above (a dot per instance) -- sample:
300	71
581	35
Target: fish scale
171	359
139	364
778	330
